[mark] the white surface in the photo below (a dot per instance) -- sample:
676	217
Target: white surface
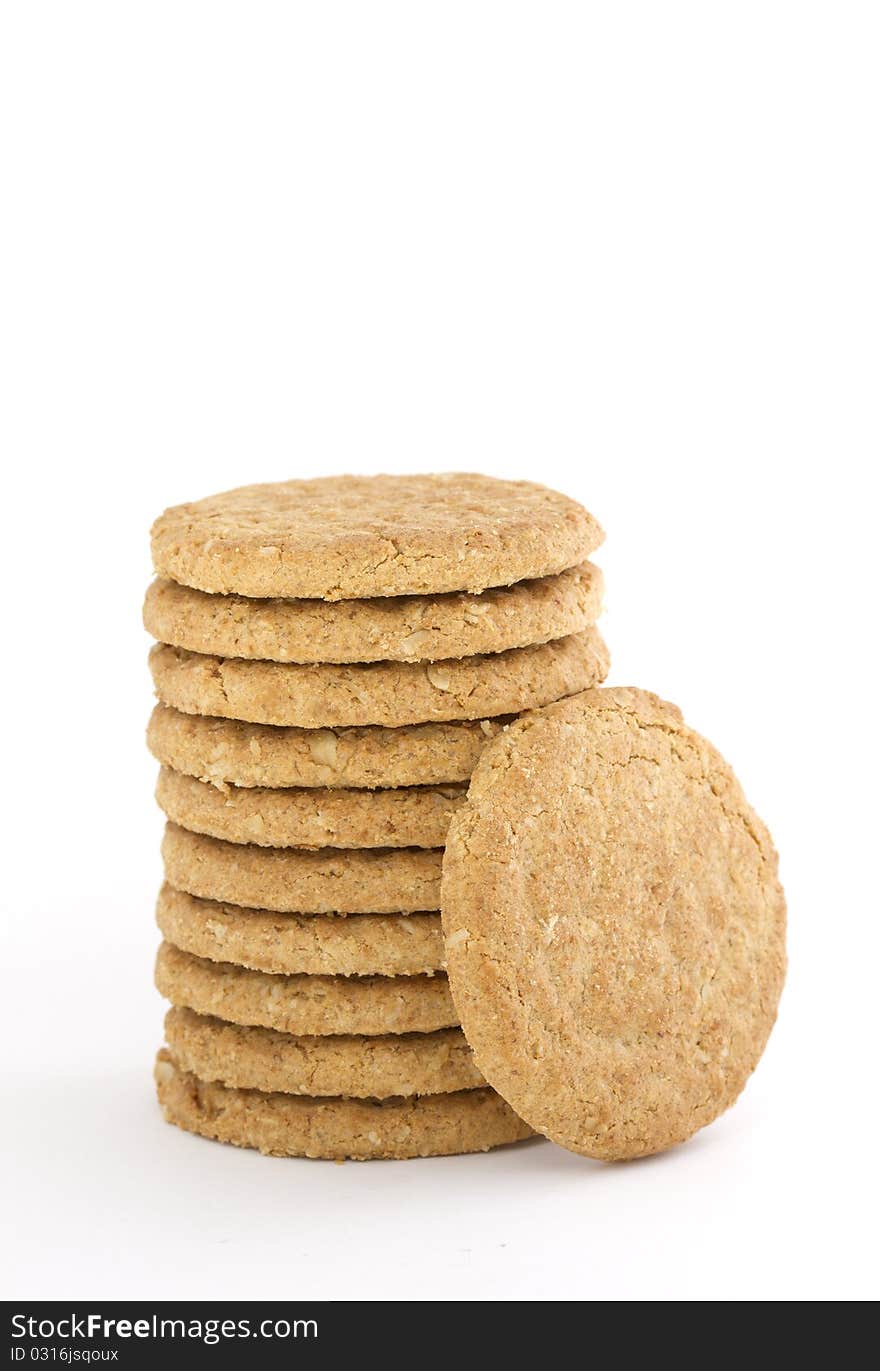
630	250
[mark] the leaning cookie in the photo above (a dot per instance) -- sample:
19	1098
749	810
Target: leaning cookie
303	1126
615	926
398	629
390	694
341	1064
305	1005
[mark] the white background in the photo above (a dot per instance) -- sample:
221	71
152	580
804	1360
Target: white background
630	250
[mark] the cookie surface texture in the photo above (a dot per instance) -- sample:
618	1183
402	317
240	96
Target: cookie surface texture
353	537
614	924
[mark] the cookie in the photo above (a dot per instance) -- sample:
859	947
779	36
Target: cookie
353	537
398	629
387	693
303	1126
416	816
367	1068
305	1005
614	924
295	881
227	751
315	944
231	752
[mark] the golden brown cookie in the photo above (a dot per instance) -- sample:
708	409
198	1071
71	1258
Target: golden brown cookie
614	924
344	1064
314	944
410	628
296	881
227	751
305	1004
303	1126
353	537
413	816
388	693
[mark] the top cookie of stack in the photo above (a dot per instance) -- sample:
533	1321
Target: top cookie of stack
332	655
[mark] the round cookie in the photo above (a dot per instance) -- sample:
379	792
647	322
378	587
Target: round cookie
415	816
366	1068
302	1126
228	751
388	693
398	629
305	1005
354	537
295	881
614	924
313	944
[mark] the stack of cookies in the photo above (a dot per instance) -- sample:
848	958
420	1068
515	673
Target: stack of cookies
332	657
